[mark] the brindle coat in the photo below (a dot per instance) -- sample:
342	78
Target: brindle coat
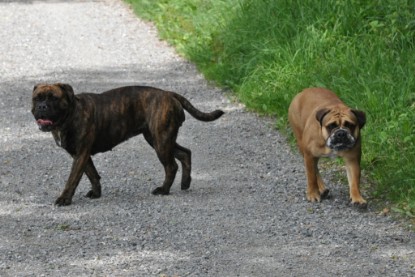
88	123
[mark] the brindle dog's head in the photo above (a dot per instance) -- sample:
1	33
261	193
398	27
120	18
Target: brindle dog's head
51	105
340	126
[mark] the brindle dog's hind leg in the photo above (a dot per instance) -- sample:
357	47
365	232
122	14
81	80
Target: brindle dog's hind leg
170	169
184	155
165	153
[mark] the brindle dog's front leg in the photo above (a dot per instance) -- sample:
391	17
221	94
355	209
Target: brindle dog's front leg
94	178
78	168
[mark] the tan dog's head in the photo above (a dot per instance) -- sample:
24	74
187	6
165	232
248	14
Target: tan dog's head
341	126
51	105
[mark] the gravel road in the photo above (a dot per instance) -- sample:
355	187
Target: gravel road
245	214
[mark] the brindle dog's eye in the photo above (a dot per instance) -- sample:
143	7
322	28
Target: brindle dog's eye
52	97
39	98
332	126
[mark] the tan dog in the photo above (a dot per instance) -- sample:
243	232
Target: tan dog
324	126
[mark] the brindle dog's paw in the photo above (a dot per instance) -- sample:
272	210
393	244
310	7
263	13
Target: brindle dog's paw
63	201
160	191
186	184
93	194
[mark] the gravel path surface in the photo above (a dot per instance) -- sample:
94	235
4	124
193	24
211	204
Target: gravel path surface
245	214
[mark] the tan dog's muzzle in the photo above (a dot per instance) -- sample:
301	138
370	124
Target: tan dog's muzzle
340	139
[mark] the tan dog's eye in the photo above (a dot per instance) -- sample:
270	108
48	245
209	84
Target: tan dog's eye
332	126
349	125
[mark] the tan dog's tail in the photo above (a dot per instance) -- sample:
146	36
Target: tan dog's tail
195	112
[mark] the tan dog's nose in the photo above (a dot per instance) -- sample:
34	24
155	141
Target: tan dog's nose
340	134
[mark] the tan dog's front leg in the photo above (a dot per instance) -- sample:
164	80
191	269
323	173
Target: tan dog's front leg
78	168
353	176
324	193
313	193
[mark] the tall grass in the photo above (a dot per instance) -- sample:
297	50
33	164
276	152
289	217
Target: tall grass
266	51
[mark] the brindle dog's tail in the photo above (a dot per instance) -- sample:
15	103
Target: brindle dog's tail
195	112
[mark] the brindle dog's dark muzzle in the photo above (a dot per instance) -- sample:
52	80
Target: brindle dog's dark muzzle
43	119
45	125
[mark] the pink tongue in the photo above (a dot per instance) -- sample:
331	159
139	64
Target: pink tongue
44	122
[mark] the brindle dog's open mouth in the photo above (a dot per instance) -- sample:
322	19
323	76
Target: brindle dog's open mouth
44	122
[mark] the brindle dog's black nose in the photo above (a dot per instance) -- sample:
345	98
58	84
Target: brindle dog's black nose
42	106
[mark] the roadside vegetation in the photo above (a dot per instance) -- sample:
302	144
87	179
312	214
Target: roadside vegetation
266	51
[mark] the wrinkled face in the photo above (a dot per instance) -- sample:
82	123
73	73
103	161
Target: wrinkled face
51	105
341	128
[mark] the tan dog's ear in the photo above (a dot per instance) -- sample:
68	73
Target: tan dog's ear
69	91
361	117
320	115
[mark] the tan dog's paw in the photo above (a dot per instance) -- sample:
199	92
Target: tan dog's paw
325	194
359	203
314	196
317	196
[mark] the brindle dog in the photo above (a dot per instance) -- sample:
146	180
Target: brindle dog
87	123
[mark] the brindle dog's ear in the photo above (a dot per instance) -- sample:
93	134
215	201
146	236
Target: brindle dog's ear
361	118
68	90
320	115
36	86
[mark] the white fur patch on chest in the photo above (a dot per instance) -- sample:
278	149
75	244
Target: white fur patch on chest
57	137
332	154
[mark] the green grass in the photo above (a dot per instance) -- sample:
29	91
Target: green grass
266	51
